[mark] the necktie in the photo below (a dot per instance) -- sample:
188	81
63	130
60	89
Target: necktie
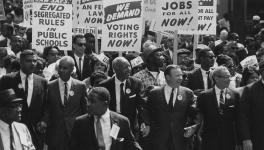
209	84
11	137
222	102
65	93
99	131
171	99
26	86
121	95
80	65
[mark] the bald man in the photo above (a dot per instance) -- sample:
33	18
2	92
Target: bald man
125	95
65	101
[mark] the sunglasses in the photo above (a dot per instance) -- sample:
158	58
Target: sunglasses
81	44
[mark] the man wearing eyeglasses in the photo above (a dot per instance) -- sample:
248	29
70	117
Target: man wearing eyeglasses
218	111
82	61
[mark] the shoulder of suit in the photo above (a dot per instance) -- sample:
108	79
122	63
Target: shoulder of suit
134	79
77	81
118	116
104	82
20	125
185	89
39	77
10	75
83	117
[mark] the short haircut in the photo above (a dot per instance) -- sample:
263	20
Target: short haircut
78	36
47	49
222	59
27	52
97	75
102	93
219	69
117	61
89	35
169	68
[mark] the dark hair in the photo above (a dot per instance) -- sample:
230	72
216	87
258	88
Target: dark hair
9	27
222	59
47	49
246	75
29	35
89	35
78	36
27	53
201	54
101	92
169	68
97	75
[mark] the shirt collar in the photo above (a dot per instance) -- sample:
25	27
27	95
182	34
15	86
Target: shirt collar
77	57
23	75
105	116
217	90
169	88
68	82
118	82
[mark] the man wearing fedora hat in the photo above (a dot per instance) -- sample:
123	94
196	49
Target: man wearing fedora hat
14	135
251	123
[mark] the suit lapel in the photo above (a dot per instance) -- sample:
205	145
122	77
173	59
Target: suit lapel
57	87
215	102
163	99
111	87
19	89
200	77
114	120
35	89
73	88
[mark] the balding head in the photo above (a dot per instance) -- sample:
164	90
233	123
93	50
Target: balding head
122	68
66	66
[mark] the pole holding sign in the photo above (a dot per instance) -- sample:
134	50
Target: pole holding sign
175	47
2	11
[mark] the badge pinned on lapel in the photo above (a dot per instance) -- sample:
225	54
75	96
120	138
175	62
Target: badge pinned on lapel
20	86
114	131
179	97
128	91
228	96
71	93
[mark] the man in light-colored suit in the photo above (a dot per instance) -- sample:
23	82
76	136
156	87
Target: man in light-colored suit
168	108
65	101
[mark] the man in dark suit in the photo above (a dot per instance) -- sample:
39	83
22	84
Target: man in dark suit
32	88
65	101
104	129
82	61
199	79
168	108
125	94
218	109
251	121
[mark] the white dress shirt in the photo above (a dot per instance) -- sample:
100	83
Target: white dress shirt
118	95
77	61
205	77
2	71
30	85
106	128
217	93
167	90
62	88
232	84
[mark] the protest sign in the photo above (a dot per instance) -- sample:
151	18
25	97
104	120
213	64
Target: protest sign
82	30
88	13
136	61
122	28
249	61
27	10
2	11
149	9
52	24
176	14
206	20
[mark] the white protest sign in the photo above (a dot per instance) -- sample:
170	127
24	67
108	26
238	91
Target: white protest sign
2	11
82	30
176	14
27	10
52	24
206	20
149	9
249	61
136	61
122	28
89	13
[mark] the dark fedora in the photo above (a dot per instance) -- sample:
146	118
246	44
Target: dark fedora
8	97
